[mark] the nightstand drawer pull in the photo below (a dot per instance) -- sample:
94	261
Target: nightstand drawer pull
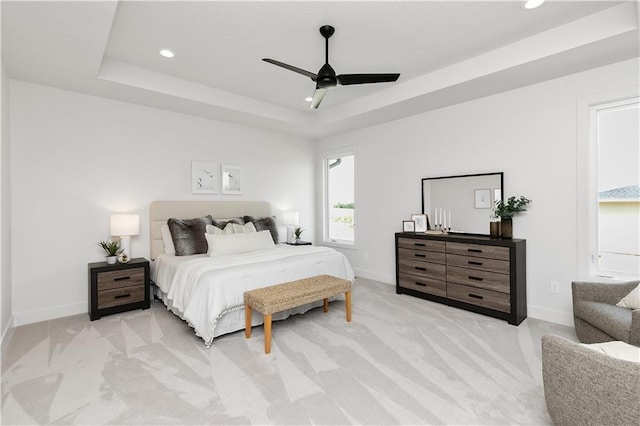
121	278
475	278
474	263
420	255
122	296
476	296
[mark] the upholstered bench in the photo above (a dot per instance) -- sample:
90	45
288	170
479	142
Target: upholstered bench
276	298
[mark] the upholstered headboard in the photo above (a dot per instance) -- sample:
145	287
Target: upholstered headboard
161	211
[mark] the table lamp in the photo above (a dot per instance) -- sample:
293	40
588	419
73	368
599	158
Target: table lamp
124	226
290	219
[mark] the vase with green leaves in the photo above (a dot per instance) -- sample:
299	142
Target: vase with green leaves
506	210
112	250
298	232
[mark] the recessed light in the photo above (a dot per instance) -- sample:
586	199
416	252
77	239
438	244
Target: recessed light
167	53
309	99
532	4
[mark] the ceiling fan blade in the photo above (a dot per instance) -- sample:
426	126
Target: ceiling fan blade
346	79
318	95
311	75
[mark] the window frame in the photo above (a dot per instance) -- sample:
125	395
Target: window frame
587	226
340	152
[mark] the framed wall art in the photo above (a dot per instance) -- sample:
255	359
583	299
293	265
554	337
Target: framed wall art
231	179
203	177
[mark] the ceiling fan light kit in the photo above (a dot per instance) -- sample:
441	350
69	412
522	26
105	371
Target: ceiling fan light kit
326	78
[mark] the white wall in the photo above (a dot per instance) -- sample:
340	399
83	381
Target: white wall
5	207
77	158
529	133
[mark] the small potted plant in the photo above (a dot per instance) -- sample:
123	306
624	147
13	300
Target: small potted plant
506	210
297	232
112	249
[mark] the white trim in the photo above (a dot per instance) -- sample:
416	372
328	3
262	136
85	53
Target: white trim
550	315
586	179
376	276
9	326
47	314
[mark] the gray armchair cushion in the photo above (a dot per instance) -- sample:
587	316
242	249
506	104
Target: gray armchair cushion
612	319
586	387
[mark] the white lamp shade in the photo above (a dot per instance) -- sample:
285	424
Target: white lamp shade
290	218
124	224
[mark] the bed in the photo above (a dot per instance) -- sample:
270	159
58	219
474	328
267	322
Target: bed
207	291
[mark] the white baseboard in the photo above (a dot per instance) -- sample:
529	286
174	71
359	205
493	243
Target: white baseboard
30	317
550	315
376	276
6	329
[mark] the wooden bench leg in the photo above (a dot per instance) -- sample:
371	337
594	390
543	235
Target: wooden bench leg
347	296
267	334
247	321
325	306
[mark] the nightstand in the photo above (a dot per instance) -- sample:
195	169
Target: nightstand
118	288
300	243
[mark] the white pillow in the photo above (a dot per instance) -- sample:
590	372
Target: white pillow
169	248
212	229
617	349
631	300
222	244
247	228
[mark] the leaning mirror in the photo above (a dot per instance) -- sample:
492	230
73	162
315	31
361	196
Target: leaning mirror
467	200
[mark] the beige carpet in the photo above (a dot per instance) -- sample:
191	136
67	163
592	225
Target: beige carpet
401	361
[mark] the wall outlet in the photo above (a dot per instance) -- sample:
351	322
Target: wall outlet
554	287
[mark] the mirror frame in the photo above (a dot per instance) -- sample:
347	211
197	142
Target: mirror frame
501	174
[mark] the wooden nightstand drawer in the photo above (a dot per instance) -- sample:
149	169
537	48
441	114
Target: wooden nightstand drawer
419	268
118	288
418	244
423	285
121	278
120	296
483	264
429	256
478	250
481	279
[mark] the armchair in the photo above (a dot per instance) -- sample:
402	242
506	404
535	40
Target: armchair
596	316
585	387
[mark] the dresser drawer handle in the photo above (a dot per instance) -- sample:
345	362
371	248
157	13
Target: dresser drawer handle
419	244
474	250
420	255
122	296
421	284
476	296
475	278
474	263
121	278
420	269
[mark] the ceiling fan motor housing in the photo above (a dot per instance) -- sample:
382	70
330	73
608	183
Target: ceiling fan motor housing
326	77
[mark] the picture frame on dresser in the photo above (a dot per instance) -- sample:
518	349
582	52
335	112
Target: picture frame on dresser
408	226
421	222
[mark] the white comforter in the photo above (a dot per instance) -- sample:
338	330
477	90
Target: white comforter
201	289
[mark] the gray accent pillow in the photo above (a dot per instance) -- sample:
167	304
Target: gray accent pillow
222	223
188	235
264	223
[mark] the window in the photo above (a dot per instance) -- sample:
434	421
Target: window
339	199
614	246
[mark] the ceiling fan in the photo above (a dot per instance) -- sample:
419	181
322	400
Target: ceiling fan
327	78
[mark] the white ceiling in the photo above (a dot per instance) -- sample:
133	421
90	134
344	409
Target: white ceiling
446	51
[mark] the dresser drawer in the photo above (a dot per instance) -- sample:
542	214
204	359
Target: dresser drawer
121	296
483	264
423	269
481	279
478	250
423	285
479	297
430	256
418	244
120	278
